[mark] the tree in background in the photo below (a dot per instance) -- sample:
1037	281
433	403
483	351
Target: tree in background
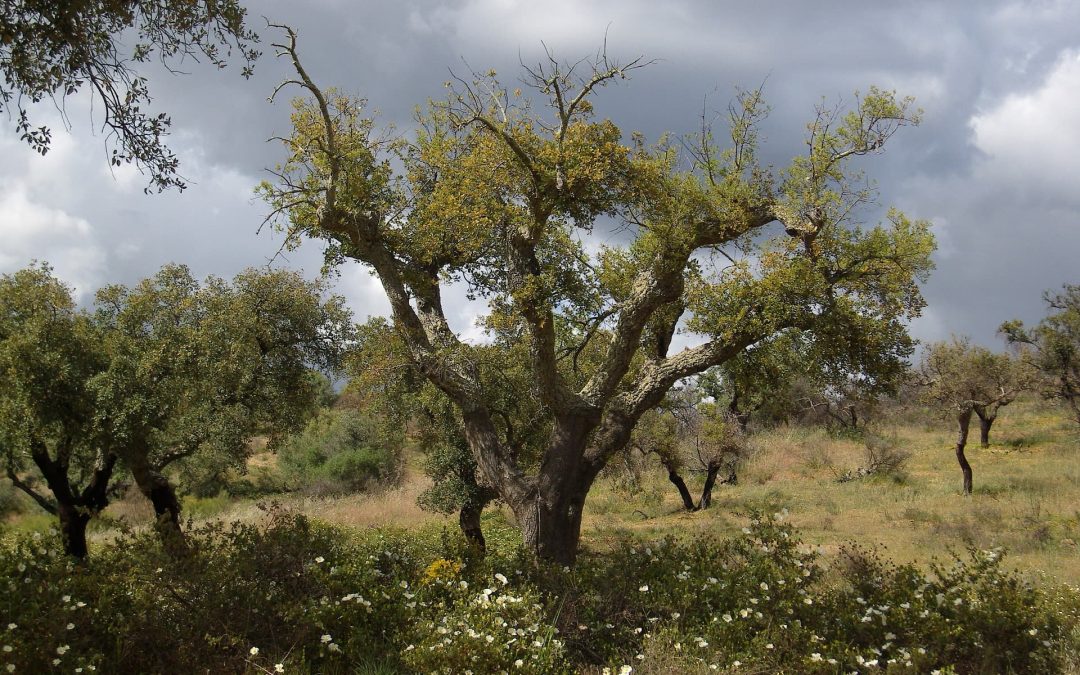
166	372
1055	346
51	49
50	354
501	195
967	379
688	432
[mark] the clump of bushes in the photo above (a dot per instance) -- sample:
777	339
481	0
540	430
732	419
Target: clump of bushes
341	451
296	596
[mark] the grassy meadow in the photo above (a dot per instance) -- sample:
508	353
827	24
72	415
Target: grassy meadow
1026	498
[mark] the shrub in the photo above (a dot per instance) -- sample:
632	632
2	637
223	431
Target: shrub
341	451
319	599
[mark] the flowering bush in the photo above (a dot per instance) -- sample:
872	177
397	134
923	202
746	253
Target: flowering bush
487	629
294	596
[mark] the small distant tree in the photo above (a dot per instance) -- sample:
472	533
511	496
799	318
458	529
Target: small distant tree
760	382
967	379
165	372
835	379
1054	347
687	432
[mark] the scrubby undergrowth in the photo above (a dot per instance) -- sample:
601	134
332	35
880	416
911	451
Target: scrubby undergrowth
294	595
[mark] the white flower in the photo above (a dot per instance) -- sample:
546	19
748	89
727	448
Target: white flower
333	647
1033	631
736	663
62	649
71	626
764	586
279	667
7	648
644	589
66	598
254	651
816	657
808	601
320	560
325	639
625	670
519	663
11	667
501	578
769	646
727	618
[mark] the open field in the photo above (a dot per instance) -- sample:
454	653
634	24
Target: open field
1026	498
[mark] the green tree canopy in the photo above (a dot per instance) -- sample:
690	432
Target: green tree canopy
500	190
960	379
51	49
1055	346
168	371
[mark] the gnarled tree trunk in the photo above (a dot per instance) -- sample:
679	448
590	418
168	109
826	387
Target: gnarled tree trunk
73	522
162	496
469	522
74	509
964	421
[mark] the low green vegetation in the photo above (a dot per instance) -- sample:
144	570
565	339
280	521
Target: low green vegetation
340	451
294	595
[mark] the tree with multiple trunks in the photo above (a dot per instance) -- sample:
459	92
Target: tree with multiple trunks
967	380
1053	347
166	372
501	194
51	50
688	432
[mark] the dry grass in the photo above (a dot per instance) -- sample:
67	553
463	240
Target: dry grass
1026	498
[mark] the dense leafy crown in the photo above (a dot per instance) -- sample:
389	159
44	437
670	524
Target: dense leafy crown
160	371
503	194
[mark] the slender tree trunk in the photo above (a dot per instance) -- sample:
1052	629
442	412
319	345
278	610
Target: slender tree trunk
964	421
710	481
680	485
984	430
742	417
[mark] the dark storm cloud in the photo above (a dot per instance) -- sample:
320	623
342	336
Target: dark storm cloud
986	74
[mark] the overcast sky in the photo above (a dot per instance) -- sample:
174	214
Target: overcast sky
995	165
